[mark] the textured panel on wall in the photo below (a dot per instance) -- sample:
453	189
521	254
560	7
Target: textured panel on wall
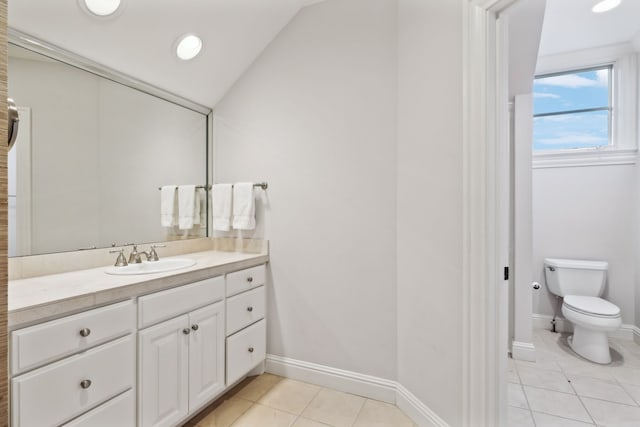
4	393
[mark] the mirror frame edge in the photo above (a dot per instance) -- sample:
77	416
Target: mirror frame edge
4	226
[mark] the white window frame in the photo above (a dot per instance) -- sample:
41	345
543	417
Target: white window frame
624	117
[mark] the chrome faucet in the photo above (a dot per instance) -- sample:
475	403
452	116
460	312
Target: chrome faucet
134	257
152	255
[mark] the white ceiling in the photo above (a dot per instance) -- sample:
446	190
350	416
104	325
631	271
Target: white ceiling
570	25
139	40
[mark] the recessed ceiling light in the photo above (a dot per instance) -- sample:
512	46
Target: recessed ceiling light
188	47
102	7
605	6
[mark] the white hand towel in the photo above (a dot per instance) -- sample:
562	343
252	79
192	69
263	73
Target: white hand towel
200	212
203	208
186	206
221	206
196	207
244	208
168	206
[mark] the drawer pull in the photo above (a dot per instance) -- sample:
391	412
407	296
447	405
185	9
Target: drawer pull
186	331
250	349
85	332
85	384
249	309
195	327
249	279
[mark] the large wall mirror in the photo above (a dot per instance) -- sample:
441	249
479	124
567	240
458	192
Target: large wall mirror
91	155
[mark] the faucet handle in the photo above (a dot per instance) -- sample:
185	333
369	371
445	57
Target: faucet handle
121	261
153	255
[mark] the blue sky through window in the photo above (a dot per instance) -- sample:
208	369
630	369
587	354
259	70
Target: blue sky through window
559	104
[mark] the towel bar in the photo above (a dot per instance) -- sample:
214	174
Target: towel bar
206	187
263	185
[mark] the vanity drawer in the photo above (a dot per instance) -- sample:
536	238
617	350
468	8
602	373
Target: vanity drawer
168	304
54	394
40	344
245	350
245	309
243	280
119	411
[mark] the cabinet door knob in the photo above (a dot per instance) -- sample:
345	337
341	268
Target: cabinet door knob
85	384
186	331
249	309
195	327
85	332
250	349
249	279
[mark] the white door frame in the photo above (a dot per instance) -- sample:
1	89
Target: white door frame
484	357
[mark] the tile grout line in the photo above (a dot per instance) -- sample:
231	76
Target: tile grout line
581	401
621	384
241	414
560	416
307	405
526	398
575	393
359	412
613	380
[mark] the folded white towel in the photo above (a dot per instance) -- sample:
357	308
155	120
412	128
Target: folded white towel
196	207
200	214
221	206
168	206
244	208
186	206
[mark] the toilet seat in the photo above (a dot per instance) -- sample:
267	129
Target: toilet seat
591	306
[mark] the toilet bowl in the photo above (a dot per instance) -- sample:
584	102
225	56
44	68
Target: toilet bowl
592	318
581	283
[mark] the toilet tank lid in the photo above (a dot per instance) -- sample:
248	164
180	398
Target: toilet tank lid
576	263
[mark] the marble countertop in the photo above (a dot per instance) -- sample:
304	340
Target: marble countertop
41	298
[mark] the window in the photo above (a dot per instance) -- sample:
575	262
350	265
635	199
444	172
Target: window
573	110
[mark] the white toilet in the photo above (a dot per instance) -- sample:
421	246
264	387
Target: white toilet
581	283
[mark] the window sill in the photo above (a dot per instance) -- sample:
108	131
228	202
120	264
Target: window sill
577	158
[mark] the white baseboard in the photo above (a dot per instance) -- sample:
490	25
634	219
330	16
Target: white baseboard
542	321
356	383
523	351
337	379
420	413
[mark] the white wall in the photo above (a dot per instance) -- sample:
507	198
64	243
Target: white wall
430	203
587	213
354	196
315	116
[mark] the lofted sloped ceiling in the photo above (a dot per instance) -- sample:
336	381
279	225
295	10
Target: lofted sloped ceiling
569	25
139	39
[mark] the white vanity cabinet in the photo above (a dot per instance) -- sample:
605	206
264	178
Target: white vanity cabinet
246	326
181	360
153	360
86	371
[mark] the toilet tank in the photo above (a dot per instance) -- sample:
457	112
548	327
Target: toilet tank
575	277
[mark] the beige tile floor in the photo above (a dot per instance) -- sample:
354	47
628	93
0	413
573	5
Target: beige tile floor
271	401
562	389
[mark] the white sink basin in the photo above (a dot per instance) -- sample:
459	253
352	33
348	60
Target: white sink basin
148	267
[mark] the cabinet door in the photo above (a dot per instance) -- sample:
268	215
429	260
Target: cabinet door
163	370
206	354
